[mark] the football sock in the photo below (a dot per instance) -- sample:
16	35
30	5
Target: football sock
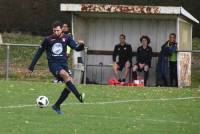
62	97
74	90
146	75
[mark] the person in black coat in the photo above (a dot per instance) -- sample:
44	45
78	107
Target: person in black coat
143	58
167	63
162	69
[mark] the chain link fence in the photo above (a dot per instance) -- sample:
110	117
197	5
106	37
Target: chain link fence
14	60
196	69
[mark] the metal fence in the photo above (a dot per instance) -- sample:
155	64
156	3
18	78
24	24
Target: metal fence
15	58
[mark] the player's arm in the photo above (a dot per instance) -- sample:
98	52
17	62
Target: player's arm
173	48
114	54
76	46
130	54
37	56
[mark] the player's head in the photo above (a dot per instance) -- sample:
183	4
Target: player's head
57	28
145	40
172	37
65	27
122	38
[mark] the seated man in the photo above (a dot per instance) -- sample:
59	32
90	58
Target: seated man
122	57
143	59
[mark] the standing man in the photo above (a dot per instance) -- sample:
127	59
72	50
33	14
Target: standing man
143	58
55	47
170	47
122	58
66	30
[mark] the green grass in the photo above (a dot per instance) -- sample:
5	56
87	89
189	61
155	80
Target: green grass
134	117
21	38
196	63
196	44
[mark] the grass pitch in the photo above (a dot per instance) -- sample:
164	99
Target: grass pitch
107	110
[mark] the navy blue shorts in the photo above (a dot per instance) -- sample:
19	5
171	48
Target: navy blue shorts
55	68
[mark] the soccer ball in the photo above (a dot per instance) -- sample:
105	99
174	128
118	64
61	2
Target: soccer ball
42	101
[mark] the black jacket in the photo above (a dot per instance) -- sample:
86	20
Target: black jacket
144	56
124	53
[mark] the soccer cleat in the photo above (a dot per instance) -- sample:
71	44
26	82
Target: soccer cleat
82	97
57	110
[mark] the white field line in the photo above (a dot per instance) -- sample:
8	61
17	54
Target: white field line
140	119
137	100
108	102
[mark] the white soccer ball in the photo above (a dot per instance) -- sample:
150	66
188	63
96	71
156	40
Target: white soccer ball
42	101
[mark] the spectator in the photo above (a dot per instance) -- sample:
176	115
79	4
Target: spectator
162	70
170	48
143	59
122	58
66	30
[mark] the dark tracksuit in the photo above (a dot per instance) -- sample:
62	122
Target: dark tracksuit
172	47
122	54
143	56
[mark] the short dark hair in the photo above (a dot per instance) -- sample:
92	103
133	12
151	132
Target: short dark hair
145	37
123	35
56	24
172	34
66	24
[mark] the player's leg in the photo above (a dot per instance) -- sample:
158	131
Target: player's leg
55	68
127	67
68	80
116	71
174	73
60	100
171	73
146	74
135	68
63	96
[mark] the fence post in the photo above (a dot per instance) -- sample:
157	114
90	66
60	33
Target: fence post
101	67
7	61
85	65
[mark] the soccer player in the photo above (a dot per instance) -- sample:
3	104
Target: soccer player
65	30
143	58
122	58
55	47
